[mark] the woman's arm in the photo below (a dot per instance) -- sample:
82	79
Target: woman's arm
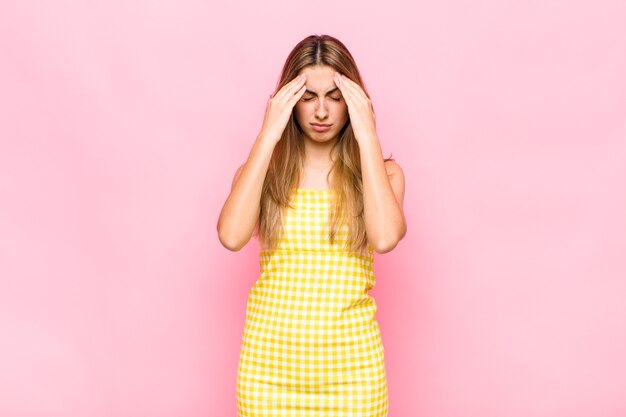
241	210
383	184
383	196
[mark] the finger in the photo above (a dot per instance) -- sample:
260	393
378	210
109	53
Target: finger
346	91
353	87
292	87
338	83
294	99
355	96
288	89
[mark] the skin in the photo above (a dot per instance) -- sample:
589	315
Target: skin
322	102
309	98
383	183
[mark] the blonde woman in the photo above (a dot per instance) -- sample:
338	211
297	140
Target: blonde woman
321	198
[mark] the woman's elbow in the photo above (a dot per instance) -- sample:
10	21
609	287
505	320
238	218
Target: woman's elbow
388	244
384	247
230	242
233	247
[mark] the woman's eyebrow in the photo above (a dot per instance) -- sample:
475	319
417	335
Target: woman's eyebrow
332	90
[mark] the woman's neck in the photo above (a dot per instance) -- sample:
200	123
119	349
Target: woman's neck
318	155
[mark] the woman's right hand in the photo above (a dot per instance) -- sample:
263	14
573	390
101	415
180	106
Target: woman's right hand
280	106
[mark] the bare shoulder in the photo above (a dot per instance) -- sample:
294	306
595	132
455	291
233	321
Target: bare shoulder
396	180
393	168
237	174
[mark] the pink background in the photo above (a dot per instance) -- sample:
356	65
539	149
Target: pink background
122	124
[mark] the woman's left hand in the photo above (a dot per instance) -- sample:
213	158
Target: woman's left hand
360	109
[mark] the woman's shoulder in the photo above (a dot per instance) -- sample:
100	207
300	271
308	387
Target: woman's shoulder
392	167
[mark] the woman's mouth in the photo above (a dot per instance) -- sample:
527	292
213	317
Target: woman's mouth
319	127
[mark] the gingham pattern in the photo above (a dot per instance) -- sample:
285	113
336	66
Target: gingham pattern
311	344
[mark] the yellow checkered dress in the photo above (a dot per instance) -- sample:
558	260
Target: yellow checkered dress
311	344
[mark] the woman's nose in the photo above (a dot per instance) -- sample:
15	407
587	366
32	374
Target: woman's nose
321	111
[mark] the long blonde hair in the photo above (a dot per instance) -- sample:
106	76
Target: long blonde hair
285	167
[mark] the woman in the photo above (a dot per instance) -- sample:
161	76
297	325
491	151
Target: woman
317	192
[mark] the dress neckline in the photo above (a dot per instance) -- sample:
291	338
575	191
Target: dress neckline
312	190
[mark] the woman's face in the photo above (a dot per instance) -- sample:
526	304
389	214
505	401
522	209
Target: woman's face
321	111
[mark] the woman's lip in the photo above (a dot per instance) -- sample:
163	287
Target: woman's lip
320	127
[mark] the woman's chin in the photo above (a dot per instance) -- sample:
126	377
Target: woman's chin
322	137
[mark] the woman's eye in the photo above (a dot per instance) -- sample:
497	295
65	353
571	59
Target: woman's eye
311	98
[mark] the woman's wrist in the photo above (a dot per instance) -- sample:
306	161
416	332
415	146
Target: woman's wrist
267	137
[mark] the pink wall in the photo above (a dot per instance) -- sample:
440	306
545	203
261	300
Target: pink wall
121	126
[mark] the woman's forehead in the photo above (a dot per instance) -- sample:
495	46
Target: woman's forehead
319	79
